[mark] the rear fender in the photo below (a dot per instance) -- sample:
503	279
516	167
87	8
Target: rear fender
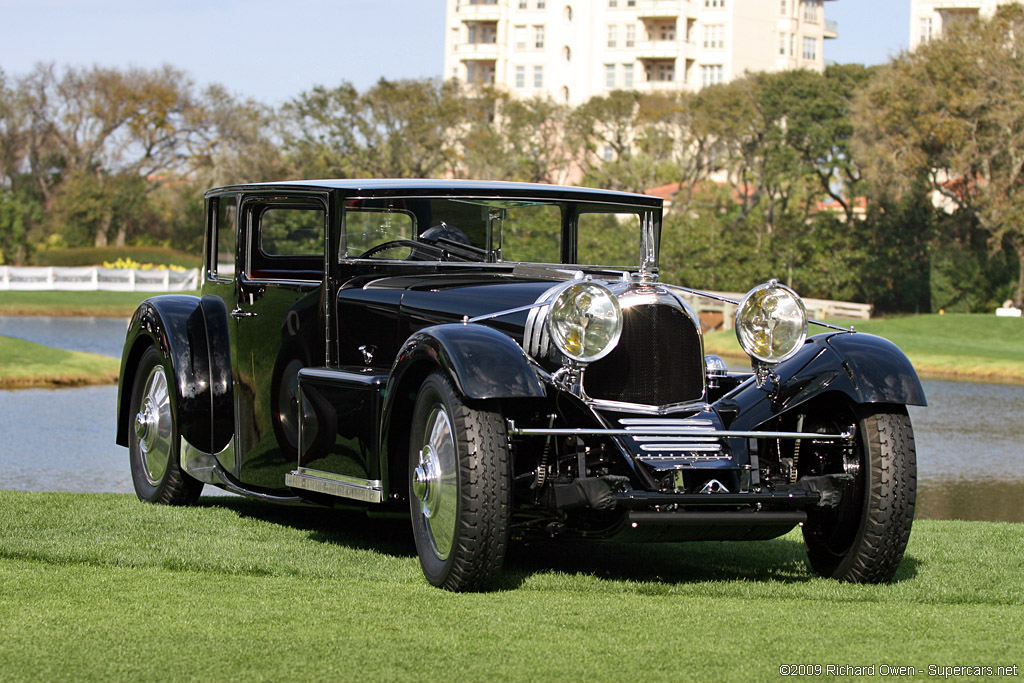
192	335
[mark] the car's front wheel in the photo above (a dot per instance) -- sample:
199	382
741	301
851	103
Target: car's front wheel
459	487
864	538
153	438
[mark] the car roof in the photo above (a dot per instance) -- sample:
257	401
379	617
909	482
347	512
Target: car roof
405	186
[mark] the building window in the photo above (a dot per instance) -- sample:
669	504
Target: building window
520	77
608	153
710	74
714	37
522	4
666	31
630	3
609	76
565	93
783	7
811	11
810	48
538	37
627	76
630	35
480	73
613	3
540	4
568	13
567	53
926	29
612	35
483	33
782	43
538	76
520	37
715	4
664	72
792	44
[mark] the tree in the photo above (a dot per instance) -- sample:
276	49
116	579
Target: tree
950	115
398	129
98	128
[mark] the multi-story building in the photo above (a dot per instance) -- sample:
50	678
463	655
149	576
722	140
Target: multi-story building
575	49
929	17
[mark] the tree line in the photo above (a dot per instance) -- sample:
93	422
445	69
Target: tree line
898	185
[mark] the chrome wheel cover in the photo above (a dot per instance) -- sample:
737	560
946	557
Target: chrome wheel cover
435	482
153	427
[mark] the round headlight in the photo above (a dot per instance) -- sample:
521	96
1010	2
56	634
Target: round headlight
771	323
585	321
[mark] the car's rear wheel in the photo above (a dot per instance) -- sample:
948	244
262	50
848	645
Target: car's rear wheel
153	438
864	538
459	489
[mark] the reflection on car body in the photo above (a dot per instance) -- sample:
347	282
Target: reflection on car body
501	361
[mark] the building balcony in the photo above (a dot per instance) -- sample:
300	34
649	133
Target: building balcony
658	86
831	28
657	49
940	5
659	9
466	12
490	51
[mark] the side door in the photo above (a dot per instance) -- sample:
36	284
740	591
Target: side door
277	326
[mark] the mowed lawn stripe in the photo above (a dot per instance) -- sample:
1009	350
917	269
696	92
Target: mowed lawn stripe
104	587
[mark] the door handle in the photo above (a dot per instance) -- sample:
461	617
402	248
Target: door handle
238	314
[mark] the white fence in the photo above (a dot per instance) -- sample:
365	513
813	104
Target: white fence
97	278
817	309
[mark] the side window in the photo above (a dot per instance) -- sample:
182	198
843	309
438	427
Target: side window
225	233
532	233
292	231
608	239
287	241
367	228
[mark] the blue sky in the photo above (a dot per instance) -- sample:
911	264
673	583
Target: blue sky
274	50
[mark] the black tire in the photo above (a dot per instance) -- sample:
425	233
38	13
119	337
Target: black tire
153	443
459	488
864	538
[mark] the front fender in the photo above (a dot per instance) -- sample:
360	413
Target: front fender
482	362
192	335
866	368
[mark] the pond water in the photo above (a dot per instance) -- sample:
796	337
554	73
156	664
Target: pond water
970	439
96	335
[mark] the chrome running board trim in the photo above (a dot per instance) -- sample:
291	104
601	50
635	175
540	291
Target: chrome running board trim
331	484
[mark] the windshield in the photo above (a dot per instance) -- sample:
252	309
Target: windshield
493	230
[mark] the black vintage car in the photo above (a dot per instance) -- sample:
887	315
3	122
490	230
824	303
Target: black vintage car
446	348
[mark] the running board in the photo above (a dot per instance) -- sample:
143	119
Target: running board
340	485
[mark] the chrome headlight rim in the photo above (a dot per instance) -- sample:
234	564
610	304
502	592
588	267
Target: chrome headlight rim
610	327
752	305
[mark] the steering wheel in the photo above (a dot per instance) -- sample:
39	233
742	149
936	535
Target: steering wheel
392	244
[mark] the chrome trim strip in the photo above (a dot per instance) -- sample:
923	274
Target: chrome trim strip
343	486
682	447
370	376
667	422
681	458
202	465
574	431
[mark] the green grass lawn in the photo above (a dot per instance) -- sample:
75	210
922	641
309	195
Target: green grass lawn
27	364
99	304
956	345
103	587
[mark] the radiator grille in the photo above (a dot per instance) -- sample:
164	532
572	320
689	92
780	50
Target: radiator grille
658	360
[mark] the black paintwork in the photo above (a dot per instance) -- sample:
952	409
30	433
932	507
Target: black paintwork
191	336
377	328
